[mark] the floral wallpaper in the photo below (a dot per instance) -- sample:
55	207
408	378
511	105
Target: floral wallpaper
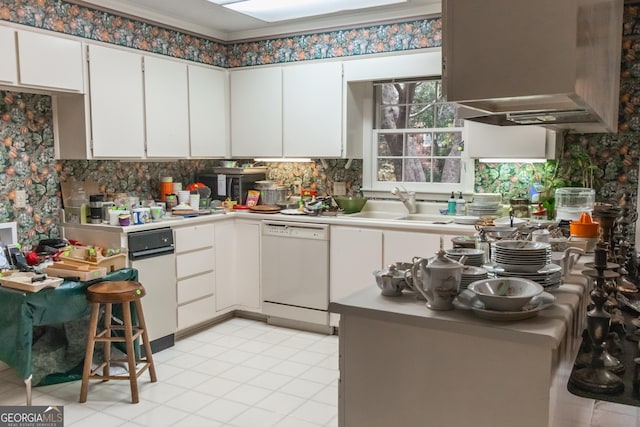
28	163
416	34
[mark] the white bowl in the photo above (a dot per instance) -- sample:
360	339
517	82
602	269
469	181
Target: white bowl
505	293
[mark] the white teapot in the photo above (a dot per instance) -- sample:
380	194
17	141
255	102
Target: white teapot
437	279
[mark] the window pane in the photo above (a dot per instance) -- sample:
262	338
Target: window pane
421	116
388	168
393	117
446	114
417	170
447	143
389	94
425	92
390	144
419	144
447	170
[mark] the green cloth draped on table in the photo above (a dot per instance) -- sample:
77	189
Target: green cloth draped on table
61	346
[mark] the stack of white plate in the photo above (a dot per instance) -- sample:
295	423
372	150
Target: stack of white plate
549	276
485	204
471	274
520	256
475	257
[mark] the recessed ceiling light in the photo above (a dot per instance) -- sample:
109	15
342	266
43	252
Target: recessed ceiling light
281	10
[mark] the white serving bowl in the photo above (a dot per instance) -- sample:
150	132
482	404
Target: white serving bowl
505	293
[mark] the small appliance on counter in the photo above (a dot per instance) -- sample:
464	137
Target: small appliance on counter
232	183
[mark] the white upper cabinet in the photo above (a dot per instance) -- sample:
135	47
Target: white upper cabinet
208	112
50	62
117	103
508	142
312	110
166	100
256	112
8	65
398	66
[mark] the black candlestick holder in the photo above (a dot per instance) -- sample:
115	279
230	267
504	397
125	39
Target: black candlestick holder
595	377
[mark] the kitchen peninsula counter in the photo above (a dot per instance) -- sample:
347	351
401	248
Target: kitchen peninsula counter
403	364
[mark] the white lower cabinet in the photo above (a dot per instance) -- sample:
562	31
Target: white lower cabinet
354	254
247	284
404	245
195	272
226	266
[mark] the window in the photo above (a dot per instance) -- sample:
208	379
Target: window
417	140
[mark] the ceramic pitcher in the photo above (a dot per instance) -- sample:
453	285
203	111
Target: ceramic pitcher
437	279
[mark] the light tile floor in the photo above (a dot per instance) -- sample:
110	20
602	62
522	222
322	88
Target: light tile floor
247	373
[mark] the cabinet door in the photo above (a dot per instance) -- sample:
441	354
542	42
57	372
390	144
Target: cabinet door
353	256
117	103
256	112
404	245
166	93
507	142
248	263
312	110
51	62
8	65
208	112
226	265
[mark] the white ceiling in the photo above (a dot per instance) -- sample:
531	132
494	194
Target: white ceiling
215	21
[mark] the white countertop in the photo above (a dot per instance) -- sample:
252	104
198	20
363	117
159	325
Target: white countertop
343	220
547	329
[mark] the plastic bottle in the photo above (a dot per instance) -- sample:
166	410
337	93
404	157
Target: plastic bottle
460	205
451	205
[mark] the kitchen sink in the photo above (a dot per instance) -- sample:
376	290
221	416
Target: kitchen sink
431	218
375	215
439	219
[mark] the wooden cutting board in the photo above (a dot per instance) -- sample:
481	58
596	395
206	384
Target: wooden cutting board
265	208
22	281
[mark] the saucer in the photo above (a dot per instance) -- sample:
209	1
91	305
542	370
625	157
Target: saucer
467	300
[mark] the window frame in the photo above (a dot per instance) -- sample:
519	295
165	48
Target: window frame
426	190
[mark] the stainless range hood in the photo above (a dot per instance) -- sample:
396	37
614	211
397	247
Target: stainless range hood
545	62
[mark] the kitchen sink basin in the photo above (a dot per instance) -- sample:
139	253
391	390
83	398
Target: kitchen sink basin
431	218
440	219
375	215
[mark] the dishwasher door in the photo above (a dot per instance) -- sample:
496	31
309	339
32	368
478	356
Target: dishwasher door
295	264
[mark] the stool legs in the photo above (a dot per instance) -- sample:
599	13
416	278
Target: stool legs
131	356
88	356
145	341
106	337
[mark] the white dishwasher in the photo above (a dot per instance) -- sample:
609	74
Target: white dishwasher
295	274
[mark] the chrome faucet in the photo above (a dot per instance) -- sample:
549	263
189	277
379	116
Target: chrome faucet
408	198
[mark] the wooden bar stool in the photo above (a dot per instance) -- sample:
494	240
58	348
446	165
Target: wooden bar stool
108	293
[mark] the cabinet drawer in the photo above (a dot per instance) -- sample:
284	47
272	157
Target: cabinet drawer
196	287
195	263
196	312
192	238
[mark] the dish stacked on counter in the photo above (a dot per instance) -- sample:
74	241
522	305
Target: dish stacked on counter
475	257
527	260
472	274
485	204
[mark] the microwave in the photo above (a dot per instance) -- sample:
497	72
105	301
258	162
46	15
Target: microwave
232	183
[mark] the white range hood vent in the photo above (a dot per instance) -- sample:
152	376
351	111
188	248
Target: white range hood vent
545	62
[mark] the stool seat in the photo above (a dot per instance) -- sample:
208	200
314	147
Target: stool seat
122	293
115	292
